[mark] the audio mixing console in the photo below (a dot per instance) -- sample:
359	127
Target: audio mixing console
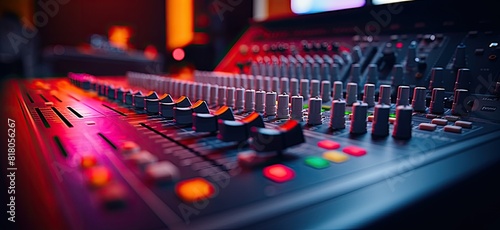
292	130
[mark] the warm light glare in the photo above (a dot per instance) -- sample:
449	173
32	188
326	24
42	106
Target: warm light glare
194	189
119	36
178	54
180	28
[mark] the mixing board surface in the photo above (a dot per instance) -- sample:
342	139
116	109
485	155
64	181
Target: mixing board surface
295	129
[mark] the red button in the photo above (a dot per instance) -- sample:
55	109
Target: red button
328	144
354	151
279	173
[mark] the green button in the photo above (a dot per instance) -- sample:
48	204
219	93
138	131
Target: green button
317	162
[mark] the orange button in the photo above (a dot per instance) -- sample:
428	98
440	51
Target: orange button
88	161
194	189
98	176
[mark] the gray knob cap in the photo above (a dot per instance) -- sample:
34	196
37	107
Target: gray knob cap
397	75
294	87
275	84
240	99
418	102
369	96
351	93
403	97
384	96
355	73
249	100
283	109
304	88
284	85
230	97
337	90
221	100
297	106
372	75
259	101
315	88
337	115
270	104
214	93
314	112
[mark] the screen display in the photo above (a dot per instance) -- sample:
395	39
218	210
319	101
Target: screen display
380	2
317	6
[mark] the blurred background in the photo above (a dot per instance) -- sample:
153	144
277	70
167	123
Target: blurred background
52	37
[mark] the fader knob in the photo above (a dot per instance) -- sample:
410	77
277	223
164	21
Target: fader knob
459	106
183	115
284	85
294	87
403	95
369	96
325	91
232	131
314	112
152	103
372	75
138	100
397	75
283	109
358	122
352	93
418	102
355	73
459	61
230	97
437	101
249	100
240	98
315	87
296	107
304	88
402	125
436	78
221	99
337	90
384	94
204	122
259	101
270	107
463	79
337	115
380	124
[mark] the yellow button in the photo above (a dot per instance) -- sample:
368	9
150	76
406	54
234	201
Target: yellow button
335	156
194	189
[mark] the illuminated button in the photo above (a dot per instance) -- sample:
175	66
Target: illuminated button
278	173
464	124
194	189
88	161
438	121
163	171
453	129
98	176
316	162
129	147
328	144
370	118
354	151
49	103
427	126
335	156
